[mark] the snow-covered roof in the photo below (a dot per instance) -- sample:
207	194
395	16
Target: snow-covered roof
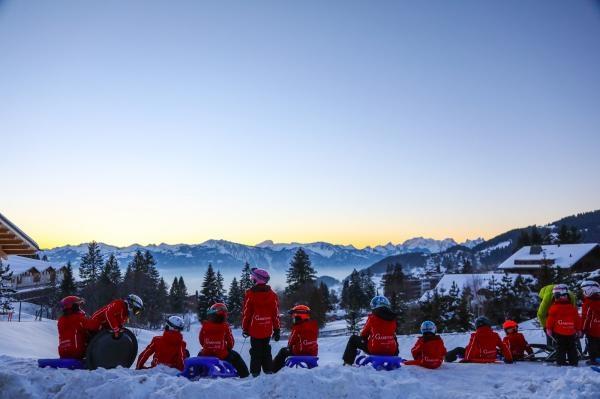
474	281
563	256
20	264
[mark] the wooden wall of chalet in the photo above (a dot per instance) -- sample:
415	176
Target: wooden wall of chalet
589	262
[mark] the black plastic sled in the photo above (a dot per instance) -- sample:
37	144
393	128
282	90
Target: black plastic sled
108	352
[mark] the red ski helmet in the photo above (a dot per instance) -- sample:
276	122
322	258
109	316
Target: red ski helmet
300	311
68	302
510	324
219	309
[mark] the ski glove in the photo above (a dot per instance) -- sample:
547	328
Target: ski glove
116	334
276	335
245	334
549	332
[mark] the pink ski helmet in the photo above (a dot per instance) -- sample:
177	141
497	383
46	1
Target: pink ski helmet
259	276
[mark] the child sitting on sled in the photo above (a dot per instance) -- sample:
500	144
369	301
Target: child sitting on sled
378	336
74	329
515	341
429	350
483	346
114	315
216	339
303	339
168	349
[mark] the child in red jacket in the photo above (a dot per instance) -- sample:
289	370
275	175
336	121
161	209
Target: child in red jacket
303	339
378	336
483	346
74	329
216	339
168	349
591	323
515	341
114	315
260	321
429	350
564	325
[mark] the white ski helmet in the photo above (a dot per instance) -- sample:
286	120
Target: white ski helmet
174	322
134	303
589	287
428	327
560	290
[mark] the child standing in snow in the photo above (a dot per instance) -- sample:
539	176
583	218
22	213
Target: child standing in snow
591	321
216	339
378	336
564	325
483	346
429	350
74	329
515	341
260	321
114	315
303	339
168	349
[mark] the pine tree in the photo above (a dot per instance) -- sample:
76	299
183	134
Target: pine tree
245	280
234	303
394	289
536	236
352	320
174	298
467	268
109	280
523	240
209	294
300	273
463	312
183	293
220	285
67	285
6	291
91	264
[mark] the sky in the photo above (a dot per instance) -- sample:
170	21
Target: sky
348	122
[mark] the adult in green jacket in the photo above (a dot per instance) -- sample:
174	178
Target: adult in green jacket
545	295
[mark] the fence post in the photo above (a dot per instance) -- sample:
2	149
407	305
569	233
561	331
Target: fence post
19	311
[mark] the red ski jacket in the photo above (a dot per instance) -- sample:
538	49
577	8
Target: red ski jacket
261	311
216	339
563	319
73	334
517	345
483	346
112	316
591	323
429	352
303	339
168	349
380	333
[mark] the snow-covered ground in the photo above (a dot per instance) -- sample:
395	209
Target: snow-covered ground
22	343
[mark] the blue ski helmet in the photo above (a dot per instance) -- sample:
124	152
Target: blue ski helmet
380	301
428	327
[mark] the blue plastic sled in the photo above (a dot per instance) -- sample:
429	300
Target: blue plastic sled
380	362
71	364
305	362
207	367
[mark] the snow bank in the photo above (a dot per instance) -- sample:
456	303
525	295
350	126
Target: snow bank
22	343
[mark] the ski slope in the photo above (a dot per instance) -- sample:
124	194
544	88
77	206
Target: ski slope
22	343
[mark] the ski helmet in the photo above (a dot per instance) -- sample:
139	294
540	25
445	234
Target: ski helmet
134	303
218	309
560	290
174	322
380	301
259	276
300	311
71	302
428	327
589	287
482	321
510	324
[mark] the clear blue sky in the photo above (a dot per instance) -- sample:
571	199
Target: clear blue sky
351	122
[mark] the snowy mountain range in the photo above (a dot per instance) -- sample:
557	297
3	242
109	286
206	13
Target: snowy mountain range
276	256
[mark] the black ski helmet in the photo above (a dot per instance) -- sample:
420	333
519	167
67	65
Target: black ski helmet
482	321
